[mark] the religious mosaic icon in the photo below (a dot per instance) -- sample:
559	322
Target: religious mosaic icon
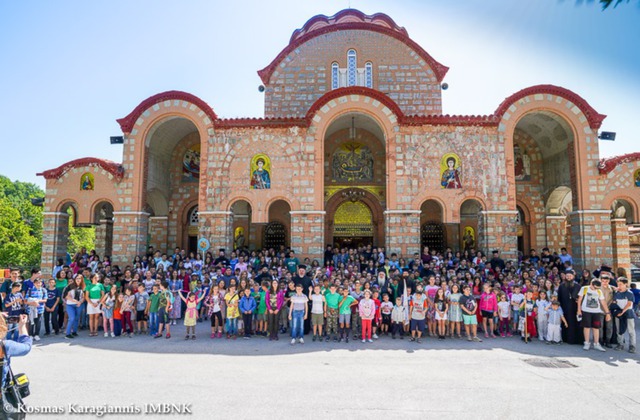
238	237
521	163
451	169
191	163
260	172
636	178
352	162
469	238
87	182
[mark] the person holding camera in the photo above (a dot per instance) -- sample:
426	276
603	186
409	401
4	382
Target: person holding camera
11	398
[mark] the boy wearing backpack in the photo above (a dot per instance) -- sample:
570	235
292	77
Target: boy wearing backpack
165	304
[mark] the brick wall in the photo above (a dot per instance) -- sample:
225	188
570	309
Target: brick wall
402	233
591	238
305	75
307	234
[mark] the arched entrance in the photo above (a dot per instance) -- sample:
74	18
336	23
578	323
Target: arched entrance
469	228
432	230
355	181
546	179
244	232
172	182
276	233
522	231
192	229
103	219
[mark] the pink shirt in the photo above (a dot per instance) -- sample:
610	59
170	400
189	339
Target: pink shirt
488	302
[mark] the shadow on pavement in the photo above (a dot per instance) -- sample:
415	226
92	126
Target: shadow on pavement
261	346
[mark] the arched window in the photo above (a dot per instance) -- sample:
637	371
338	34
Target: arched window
335	76
368	74
352	67
193	216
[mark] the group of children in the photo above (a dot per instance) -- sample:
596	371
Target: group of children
334	310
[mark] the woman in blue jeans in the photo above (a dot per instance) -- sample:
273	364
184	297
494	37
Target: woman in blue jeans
73	299
298	314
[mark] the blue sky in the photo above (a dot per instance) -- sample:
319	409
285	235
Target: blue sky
71	68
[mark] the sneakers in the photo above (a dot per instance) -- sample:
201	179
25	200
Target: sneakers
364	341
219	335
168	335
418	341
619	347
157	336
469	338
293	341
36	338
213	336
632	349
68	336
370	340
586	346
112	335
477	340
106	335
301	341
375	336
598	347
314	338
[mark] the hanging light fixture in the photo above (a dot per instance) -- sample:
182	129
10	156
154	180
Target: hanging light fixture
352	131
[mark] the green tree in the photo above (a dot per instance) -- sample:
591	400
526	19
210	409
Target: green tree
21	226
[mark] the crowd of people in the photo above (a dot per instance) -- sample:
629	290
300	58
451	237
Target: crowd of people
353	294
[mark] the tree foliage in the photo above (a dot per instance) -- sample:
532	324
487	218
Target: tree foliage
21	226
607	3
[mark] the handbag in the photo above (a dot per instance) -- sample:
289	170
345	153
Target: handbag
16	387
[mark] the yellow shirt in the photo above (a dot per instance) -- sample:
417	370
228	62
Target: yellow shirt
232	305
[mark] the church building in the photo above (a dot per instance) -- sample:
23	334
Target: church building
353	148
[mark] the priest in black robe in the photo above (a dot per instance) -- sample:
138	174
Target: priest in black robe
568	298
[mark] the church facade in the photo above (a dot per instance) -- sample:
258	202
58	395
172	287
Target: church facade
354	149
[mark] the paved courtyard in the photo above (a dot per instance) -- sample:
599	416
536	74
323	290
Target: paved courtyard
387	379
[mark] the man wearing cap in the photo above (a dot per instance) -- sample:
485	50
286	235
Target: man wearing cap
568	298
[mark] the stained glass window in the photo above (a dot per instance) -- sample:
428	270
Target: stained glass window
368	75
351	67
335	76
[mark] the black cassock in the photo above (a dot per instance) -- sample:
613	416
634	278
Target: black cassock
568	298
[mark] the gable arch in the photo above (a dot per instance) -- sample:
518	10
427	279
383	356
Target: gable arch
353	101
157	113
579	116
